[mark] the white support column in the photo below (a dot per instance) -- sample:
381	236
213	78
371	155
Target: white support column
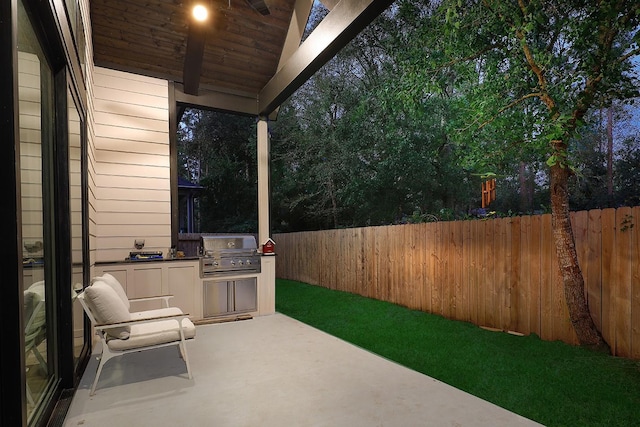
263	182
267	277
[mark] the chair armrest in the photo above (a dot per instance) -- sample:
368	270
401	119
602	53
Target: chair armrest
179	317
164	298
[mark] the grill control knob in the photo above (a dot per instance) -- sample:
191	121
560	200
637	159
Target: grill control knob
233	262
248	262
240	262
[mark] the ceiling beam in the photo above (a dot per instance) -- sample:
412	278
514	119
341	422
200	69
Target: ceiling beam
193	57
299	18
329	4
342	24
217	100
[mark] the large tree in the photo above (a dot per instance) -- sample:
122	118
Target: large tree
544	64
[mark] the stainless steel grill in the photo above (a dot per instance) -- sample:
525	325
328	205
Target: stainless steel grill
228	254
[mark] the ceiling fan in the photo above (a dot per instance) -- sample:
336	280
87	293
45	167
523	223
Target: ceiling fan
196	42
260	6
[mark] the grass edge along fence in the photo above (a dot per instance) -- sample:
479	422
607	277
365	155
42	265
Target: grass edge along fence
498	273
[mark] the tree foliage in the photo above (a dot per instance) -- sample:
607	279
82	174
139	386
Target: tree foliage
402	124
431	96
218	151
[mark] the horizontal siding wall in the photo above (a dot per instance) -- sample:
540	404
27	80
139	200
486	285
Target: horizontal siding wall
131	165
499	273
91	135
75	183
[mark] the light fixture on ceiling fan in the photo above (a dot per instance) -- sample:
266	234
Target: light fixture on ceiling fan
200	12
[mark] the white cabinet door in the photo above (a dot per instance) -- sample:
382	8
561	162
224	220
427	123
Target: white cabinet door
182	285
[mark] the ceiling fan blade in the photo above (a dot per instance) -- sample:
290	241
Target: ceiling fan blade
260	6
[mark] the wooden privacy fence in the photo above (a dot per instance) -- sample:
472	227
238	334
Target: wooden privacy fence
500	273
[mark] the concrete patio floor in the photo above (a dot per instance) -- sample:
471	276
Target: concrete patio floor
272	371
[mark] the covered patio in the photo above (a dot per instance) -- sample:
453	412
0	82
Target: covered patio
273	371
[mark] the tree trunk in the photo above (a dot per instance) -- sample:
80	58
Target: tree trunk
524	193
610	154
588	334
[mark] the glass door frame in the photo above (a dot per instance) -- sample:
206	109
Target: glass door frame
12	360
50	22
81	361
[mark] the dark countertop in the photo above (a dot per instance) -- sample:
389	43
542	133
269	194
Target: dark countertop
145	261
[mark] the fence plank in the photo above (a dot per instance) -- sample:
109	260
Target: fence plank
480	273
546	268
458	297
515	276
418	264
535	254
438	279
622	279
524	284
386	262
593	266
490	268
404	279
395	265
635	285
445	269
503	300
428	262
472	249
391	240
465	272
369	261
608	258
407	276
358	253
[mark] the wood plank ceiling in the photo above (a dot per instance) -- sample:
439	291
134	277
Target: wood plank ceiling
241	53
243	49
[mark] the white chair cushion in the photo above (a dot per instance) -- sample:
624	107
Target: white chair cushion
117	286
107	307
38	288
35	317
148	314
154	333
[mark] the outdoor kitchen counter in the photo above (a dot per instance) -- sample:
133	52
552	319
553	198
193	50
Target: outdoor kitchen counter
138	261
180	277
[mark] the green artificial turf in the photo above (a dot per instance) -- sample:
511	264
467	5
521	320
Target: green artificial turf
553	383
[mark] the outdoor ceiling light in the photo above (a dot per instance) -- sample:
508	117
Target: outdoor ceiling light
200	13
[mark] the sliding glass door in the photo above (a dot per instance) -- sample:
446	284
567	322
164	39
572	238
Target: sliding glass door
44	212
36	135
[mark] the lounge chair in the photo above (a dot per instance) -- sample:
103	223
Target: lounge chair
35	330
122	331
